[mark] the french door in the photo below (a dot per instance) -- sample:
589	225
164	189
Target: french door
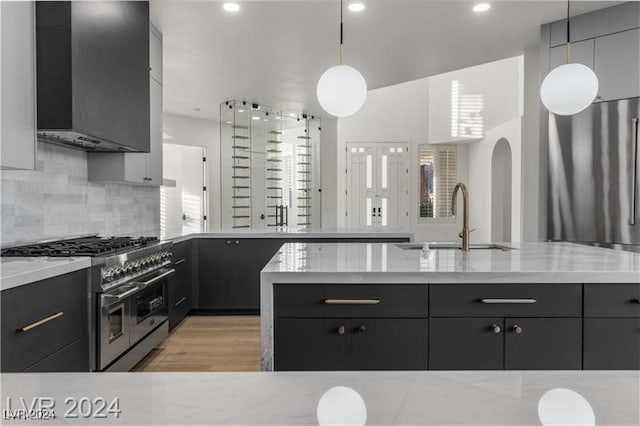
377	185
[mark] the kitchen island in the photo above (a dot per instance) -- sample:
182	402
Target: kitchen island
378	306
390	398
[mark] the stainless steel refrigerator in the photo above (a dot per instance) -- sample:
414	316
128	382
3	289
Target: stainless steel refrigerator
593	175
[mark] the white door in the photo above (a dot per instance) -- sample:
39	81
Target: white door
377	185
183	198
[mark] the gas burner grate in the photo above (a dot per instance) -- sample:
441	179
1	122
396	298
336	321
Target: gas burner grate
91	246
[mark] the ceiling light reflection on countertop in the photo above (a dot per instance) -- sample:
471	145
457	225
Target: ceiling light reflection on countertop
481	7
356	6
231	7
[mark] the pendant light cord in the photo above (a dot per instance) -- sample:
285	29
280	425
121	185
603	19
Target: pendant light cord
341	54
568	32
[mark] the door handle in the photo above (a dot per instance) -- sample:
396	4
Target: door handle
351	301
634	173
179	262
180	302
527	301
379	212
40	322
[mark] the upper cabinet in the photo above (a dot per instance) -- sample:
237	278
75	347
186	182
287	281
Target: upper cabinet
581	53
617	65
606	40
138	168
18	130
92	74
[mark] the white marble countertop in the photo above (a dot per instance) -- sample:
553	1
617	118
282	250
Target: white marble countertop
17	271
284	233
391	398
378	262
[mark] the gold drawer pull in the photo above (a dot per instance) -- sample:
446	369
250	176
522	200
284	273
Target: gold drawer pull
40	322
351	301
508	301
178	262
180	302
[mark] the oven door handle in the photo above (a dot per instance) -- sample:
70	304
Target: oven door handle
115	299
144	284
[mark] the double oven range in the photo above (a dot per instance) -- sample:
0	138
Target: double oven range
128	302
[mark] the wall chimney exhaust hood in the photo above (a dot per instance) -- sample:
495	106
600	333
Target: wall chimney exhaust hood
93	74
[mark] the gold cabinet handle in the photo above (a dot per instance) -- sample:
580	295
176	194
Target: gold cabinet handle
496	329
179	302
517	329
526	301
38	323
341	330
178	262
351	301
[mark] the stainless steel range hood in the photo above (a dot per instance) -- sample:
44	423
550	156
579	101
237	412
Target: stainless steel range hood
93	74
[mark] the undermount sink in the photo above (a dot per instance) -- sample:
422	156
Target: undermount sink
452	246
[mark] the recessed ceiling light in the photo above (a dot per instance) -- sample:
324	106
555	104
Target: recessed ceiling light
292	115
481	7
240	110
231	7
266	119
356	6
277	117
255	117
229	122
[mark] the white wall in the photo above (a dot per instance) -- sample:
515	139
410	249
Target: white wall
396	113
203	133
534	169
406	112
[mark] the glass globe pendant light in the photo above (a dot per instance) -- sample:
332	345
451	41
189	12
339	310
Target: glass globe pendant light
341	90
569	88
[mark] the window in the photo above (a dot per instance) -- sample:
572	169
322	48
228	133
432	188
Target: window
438	177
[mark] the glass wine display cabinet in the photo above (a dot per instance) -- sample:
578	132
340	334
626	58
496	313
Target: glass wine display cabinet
270	168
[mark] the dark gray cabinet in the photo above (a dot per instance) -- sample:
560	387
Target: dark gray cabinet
505	326
180	284
350	327
466	344
612	326
44	325
543	344
229	272
313	344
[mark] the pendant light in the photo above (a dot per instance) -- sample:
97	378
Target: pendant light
569	88
341	90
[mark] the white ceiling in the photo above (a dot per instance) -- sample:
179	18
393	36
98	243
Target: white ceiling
273	52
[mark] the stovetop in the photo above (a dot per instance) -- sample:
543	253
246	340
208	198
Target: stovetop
86	246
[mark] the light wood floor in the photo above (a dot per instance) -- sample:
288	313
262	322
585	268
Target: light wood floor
208	343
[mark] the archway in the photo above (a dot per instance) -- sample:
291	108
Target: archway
501	192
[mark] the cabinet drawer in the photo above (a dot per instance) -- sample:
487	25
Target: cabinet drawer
350	300
502	300
72	358
612	343
41	318
181	253
612	300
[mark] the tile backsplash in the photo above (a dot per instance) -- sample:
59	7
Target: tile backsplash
57	201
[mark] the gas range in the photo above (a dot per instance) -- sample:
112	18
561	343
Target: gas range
128	287
114	260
